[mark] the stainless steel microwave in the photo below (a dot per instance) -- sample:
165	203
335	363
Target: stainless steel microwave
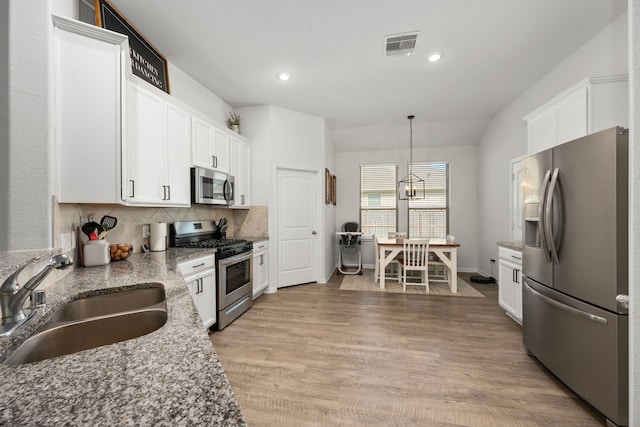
209	187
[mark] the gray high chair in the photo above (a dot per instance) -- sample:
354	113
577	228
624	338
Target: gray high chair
349	240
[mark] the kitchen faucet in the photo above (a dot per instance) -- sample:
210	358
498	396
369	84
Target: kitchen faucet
12	296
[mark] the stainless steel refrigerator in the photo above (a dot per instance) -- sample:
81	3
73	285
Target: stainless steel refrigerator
575	320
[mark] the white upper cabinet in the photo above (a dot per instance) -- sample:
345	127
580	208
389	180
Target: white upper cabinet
120	140
240	169
211	145
156	160
592	105
88	76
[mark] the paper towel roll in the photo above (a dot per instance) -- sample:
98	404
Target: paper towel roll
158	236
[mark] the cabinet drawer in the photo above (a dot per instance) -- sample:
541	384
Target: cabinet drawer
261	246
510	255
197	265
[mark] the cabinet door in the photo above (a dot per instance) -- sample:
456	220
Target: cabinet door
202	290
260	272
87	92
510	289
221	150
145	148
207	298
571	116
541	132
201	143
178	131
240	169
193	285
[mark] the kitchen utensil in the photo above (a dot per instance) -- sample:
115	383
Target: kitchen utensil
87	229
108	222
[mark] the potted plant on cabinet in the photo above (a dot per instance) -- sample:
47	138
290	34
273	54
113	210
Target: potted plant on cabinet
233	122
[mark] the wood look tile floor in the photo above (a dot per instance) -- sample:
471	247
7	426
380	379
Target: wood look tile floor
313	355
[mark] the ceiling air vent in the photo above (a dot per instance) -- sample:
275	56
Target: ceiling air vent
400	44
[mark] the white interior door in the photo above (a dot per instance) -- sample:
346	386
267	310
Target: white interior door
297	225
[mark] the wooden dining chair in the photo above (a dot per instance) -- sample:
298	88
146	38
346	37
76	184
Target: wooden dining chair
394	265
416	258
438	270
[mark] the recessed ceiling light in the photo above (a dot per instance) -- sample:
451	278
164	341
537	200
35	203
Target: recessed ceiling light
434	57
284	76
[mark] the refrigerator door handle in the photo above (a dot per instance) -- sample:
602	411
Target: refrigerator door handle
548	206
568	308
541	222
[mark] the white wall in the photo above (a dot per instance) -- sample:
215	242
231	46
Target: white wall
284	138
329	210
192	93
506	135
27	183
463	197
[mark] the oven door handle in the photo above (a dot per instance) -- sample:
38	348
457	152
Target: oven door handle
236	259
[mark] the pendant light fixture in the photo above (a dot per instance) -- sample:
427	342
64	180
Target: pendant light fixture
411	187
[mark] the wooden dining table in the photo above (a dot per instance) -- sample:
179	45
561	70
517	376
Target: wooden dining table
389	248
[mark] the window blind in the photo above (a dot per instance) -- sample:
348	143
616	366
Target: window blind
378	201
429	217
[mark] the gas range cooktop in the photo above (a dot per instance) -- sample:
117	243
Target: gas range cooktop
206	234
214	243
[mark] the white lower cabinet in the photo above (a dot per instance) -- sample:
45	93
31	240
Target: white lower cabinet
510	282
200	275
260	267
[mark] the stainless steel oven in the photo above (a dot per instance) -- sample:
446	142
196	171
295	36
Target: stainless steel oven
209	187
235	286
234	265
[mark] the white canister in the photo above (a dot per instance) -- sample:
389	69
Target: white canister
158	236
96	252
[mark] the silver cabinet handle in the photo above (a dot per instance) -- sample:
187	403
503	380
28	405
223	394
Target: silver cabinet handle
168	192
314	232
198	265
164	192
133	188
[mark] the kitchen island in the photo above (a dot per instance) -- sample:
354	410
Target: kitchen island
171	376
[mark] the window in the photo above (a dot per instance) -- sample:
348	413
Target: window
378	201
429	217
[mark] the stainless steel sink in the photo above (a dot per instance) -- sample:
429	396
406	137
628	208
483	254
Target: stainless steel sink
105	304
93	322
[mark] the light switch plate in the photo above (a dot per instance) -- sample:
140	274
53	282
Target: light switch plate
145	231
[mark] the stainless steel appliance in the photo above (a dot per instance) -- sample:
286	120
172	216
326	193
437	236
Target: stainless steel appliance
210	187
234	265
575	267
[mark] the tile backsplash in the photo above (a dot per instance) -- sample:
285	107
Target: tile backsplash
68	217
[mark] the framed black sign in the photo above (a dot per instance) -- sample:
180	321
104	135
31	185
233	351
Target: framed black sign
146	62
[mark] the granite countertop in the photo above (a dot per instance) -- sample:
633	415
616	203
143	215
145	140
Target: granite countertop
171	376
511	245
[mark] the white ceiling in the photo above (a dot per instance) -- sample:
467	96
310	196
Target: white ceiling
493	50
